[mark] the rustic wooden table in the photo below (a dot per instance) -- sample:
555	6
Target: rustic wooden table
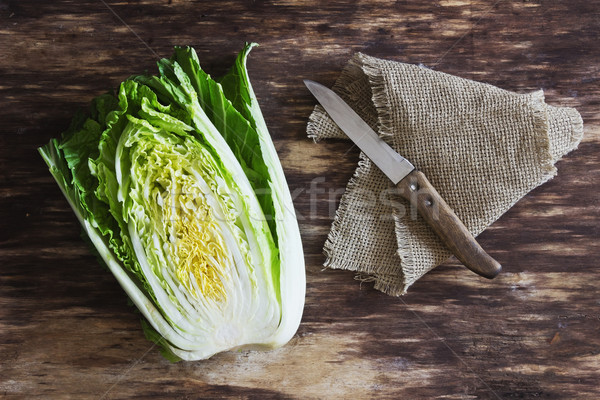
66	330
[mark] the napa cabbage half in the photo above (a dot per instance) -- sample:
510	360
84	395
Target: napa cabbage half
177	184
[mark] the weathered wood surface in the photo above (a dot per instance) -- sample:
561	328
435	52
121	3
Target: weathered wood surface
65	327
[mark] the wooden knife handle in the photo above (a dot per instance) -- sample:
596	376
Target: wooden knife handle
420	193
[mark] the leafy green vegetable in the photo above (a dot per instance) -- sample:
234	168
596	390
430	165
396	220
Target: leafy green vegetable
177	184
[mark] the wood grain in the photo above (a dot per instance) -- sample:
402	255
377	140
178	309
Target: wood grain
66	330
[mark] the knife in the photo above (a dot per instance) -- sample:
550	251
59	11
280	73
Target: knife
411	183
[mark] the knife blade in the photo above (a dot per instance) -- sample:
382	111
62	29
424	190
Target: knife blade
411	183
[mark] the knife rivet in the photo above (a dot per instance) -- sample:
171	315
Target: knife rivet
428	202
413	186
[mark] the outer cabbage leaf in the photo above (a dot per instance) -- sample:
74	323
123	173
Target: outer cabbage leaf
238	89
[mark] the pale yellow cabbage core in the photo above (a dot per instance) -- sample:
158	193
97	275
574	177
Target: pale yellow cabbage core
199	249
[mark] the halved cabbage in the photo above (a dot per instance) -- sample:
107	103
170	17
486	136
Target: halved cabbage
177	183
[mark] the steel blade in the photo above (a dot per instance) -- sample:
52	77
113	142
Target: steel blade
393	165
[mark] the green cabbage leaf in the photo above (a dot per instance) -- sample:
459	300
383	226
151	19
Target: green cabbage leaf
176	182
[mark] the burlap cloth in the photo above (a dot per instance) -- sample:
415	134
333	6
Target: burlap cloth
482	147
